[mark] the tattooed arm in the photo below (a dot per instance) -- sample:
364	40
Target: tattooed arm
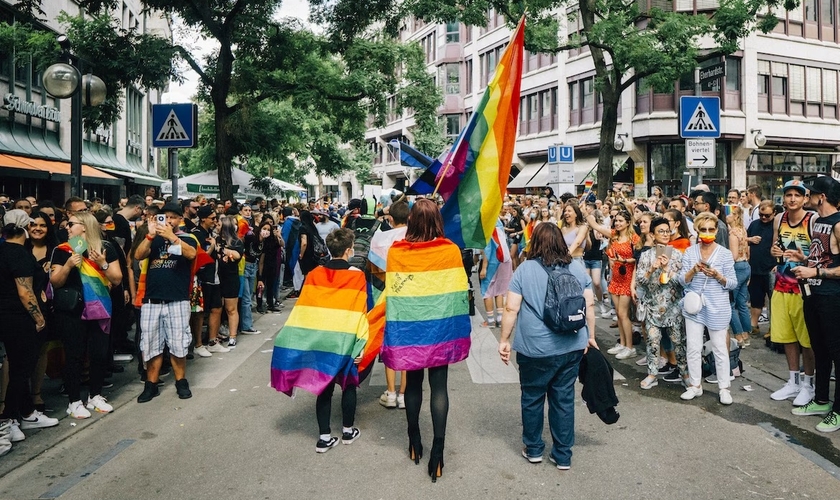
29	301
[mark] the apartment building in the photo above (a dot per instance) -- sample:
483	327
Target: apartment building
35	127
780	117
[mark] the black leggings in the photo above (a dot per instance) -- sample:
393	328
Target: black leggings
269	278
438	377
323	408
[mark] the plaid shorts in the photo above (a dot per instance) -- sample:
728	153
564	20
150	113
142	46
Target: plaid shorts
169	323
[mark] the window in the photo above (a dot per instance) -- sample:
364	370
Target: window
453	125
588	93
468	76
453	32
733	73
429	47
451	78
810	10
538	112
488	61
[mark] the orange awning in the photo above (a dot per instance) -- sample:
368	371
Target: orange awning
53	167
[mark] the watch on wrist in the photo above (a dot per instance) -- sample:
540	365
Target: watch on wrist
105	266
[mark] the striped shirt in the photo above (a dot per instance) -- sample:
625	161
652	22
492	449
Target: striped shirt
717	311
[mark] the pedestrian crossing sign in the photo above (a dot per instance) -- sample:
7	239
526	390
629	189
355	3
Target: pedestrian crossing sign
174	125
699	117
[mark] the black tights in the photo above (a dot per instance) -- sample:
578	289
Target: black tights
323	408
438	377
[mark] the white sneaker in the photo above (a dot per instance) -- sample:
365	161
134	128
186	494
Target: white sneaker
250	332
642	361
388	399
37	420
725	397
789	390
15	434
99	404
615	349
691	392
202	351
77	410
401	401
608	314
217	347
806	394
629	352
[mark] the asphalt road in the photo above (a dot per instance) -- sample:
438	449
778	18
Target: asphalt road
238	438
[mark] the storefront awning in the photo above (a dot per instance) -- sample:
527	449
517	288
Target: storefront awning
523	179
58	170
146	180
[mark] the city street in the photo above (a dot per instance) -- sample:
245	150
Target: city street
238	438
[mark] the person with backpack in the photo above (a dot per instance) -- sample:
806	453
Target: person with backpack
548	352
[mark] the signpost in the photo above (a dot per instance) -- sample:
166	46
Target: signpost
699	119
700	153
561	161
174	126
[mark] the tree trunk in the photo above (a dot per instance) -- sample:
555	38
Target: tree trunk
605	151
221	112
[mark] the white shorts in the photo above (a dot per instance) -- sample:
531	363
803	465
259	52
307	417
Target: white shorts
165	323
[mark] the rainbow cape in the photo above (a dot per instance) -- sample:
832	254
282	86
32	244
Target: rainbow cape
95	291
427	320
476	171
325	332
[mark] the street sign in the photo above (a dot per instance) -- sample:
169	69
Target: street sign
174	125
561	154
699	117
561	173
713	72
700	153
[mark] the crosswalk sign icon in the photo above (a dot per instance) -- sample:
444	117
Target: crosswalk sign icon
699	117
174	125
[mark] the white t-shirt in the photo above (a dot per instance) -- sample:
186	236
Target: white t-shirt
325	228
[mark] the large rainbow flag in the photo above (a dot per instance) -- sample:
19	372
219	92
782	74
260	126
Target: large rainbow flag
427	320
95	291
325	332
475	173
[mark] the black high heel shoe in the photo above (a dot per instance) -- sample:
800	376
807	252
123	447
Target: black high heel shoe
436	460
415	447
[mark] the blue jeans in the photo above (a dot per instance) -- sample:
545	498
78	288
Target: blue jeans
741	321
246	319
552	377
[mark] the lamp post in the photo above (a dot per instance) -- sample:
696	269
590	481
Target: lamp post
63	80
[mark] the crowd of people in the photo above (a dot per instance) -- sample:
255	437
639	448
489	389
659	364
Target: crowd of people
75	279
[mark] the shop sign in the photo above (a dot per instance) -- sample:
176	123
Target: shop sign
14	103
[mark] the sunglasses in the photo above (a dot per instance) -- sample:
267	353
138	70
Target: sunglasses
71	223
765	215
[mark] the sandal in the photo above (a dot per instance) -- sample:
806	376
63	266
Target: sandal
649	382
489	324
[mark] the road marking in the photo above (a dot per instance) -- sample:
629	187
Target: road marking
805	452
74	479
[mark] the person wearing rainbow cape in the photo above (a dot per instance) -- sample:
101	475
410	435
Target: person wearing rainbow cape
313	354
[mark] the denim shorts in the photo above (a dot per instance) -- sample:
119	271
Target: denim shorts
593	264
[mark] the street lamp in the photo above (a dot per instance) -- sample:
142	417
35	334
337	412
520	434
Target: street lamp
63	80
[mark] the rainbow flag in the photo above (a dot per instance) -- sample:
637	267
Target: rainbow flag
496	252
475	173
325	332
95	291
427	320
525	245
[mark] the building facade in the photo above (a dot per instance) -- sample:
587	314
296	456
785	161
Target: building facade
779	111
35	127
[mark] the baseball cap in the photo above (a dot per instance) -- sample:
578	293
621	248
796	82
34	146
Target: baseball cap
205	211
822	185
17	217
794	184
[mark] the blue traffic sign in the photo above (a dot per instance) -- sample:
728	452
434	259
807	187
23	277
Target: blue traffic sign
699	117
561	154
174	125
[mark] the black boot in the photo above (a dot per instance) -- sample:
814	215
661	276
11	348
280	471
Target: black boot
415	446
150	391
436	459
182	387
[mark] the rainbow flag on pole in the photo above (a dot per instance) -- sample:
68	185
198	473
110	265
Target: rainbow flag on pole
475	173
325	332
427	320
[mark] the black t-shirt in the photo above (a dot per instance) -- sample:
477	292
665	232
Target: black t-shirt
229	271
168	277
122	229
15	262
253	247
74	279
206	274
761	261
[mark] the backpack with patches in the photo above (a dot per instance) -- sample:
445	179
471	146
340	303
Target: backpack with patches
564	311
363	229
320	250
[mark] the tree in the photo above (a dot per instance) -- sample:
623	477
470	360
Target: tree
628	42
121	57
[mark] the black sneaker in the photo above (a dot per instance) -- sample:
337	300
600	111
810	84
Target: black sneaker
349	437
150	391
182	387
667	369
324	446
675	377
